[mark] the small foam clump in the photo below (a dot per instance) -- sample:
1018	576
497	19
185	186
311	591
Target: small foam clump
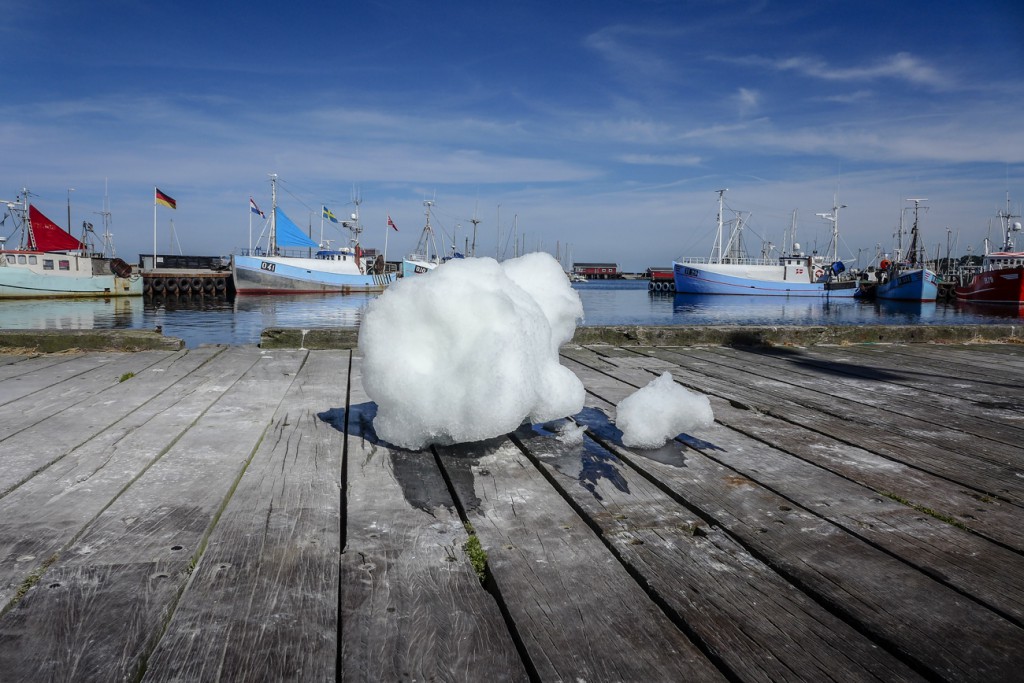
469	351
659	411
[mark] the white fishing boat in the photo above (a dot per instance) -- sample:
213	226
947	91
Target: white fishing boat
426	257
728	270
49	262
293	263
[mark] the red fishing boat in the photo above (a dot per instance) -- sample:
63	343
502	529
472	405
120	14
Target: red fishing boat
1001	280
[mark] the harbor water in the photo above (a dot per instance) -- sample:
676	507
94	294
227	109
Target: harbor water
241	320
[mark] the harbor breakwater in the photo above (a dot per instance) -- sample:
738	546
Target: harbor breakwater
56	341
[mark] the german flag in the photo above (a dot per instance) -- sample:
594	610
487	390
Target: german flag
164	199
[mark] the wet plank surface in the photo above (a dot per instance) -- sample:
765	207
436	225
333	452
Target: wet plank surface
854	514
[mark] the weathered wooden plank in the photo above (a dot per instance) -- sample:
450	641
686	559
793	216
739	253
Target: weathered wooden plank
36	446
929	624
957	364
759	627
987	516
577	611
412	607
943	452
21	364
885	390
46	392
969	356
983	395
262	603
38	518
925	540
98	609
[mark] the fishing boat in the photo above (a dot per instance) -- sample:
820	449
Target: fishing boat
49	262
905	278
1001	280
728	270
426	257
289	265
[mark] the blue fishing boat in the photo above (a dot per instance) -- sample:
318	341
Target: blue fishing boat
730	271
906	278
282	268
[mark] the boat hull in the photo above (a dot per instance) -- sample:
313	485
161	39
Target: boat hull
694	279
412	267
911	285
283	275
69	277
1004	286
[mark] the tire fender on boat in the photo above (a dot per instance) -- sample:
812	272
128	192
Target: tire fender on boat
120	268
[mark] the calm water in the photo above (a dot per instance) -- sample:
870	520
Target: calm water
222	321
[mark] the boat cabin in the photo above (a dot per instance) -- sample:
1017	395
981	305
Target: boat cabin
999	260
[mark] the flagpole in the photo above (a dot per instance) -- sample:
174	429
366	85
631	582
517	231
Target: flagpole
387	229
250	226
154	227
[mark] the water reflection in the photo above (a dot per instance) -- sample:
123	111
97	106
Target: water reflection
241	320
71	314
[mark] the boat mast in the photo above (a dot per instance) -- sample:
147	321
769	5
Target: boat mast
834	219
427	238
475	221
272	239
717	247
108	239
898	256
912	251
18	210
354	225
1009	227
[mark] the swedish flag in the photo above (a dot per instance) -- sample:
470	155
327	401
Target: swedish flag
330	216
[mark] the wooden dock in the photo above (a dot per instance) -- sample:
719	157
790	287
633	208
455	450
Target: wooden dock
856	513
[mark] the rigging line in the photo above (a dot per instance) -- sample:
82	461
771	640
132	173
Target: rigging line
293	195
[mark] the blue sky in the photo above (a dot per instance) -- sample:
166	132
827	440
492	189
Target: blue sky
607	126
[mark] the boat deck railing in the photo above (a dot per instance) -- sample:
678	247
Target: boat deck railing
736	261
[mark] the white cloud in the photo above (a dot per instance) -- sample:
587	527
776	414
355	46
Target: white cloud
901	66
747	101
661	159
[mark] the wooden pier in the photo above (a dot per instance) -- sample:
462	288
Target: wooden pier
856	513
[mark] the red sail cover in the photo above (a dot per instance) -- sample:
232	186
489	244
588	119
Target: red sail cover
45	235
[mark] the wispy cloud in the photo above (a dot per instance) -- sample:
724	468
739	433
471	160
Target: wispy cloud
901	66
747	101
661	159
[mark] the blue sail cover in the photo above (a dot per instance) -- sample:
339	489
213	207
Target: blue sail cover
290	235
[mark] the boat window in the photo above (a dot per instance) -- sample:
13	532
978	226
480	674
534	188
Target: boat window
10	258
47	264
33	259
65	264
22	259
